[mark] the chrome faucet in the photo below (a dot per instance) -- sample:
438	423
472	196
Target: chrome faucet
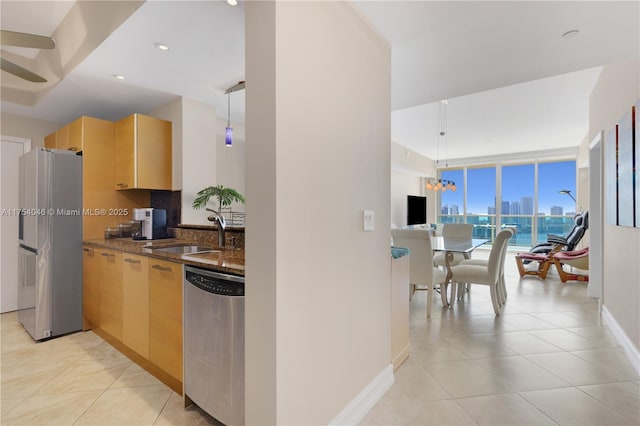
219	219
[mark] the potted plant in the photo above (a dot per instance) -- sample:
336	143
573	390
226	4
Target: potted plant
225	197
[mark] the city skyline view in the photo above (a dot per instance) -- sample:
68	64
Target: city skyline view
517	190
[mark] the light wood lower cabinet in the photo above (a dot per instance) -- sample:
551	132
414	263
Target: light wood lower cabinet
111	292
165	316
135	303
91	287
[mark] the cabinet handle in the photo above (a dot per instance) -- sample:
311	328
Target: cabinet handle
72	148
161	268
108	254
131	260
88	250
123	185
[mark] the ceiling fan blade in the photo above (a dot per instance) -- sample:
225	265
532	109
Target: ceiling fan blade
18	71
12	38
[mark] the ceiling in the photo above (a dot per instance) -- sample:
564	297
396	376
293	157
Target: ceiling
513	84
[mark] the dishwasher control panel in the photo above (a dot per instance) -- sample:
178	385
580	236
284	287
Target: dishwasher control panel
216	283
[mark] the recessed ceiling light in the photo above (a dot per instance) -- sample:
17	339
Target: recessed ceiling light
570	34
232	2
162	46
118	77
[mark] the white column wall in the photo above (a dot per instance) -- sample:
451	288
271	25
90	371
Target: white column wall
318	154
615	92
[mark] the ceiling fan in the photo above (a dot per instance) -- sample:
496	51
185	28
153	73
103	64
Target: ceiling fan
12	38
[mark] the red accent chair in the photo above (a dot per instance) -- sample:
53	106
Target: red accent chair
578	259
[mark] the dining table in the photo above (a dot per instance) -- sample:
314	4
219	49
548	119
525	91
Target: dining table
450	246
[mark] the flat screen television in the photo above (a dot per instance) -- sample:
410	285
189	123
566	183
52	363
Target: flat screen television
416	210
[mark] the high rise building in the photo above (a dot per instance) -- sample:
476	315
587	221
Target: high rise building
514	208
491	210
556	210
526	205
454	209
505	207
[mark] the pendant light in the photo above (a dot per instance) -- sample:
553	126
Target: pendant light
441	184
228	131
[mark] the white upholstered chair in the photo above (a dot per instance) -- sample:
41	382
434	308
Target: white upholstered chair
454	230
491	274
422	274
485	262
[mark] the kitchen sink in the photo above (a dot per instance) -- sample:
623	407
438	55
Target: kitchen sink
184	249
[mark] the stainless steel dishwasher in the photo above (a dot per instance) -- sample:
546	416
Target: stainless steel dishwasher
214	343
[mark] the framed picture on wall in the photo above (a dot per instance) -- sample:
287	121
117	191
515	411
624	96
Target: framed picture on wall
611	176
626	178
636	164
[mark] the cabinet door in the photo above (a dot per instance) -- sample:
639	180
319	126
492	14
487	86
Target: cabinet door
125	153
111	292
50	141
74	137
165	316
135	303
62	137
154	153
91	286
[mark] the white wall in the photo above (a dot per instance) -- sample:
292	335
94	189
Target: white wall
28	128
615	92
407	169
230	161
194	151
318	132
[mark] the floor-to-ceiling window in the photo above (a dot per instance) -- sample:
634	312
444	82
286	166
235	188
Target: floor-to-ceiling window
533	197
518	182
452	202
556	209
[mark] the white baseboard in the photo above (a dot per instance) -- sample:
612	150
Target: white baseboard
358	408
401	357
632	352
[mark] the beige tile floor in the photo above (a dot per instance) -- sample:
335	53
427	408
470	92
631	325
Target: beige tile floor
81	380
549	359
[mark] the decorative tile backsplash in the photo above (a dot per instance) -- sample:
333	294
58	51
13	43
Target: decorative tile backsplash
171	201
208	235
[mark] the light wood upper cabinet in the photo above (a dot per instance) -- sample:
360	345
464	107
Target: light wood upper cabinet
165	316
143	153
135	303
75	135
50	141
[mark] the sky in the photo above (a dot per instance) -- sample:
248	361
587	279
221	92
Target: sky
517	182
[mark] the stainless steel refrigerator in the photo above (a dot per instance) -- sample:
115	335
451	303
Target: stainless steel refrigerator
50	242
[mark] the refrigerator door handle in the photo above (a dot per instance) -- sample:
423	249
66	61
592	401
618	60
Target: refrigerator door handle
31	249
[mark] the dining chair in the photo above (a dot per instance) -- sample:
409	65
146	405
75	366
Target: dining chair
454	230
491	274
485	262
422	274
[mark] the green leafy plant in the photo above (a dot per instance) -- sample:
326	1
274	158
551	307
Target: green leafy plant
225	197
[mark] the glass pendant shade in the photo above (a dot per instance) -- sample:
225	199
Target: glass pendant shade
228	136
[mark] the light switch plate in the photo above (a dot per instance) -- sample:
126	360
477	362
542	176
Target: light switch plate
367	220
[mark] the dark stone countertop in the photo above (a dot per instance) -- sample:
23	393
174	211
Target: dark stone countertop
221	260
